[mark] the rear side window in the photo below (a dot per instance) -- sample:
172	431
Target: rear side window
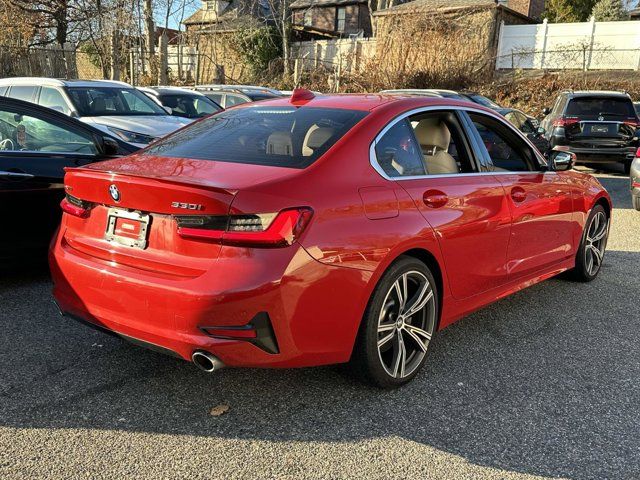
22	92
398	153
292	137
591	108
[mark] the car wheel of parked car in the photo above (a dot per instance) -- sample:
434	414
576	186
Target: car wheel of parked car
397	325
594	241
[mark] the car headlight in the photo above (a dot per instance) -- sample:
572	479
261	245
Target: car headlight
132	137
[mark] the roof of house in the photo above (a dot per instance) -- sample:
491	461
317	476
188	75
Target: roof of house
322	3
234	9
206	16
444	6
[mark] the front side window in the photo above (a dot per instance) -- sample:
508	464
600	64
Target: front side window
398	153
52	98
526	126
26	133
506	150
293	137
100	101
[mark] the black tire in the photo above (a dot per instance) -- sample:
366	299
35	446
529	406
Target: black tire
585	271
627	167
376	366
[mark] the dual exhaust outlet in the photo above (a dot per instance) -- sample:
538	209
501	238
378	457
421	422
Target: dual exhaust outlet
206	362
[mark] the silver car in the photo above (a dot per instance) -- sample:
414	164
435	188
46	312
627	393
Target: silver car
634	176
114	107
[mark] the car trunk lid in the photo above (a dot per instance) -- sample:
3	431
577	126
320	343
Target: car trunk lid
132	204
600	133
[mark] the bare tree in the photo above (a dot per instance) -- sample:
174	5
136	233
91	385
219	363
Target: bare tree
61	17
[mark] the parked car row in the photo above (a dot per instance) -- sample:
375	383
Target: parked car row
221	242
115	108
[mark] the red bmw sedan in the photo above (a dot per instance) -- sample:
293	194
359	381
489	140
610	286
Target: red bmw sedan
318	230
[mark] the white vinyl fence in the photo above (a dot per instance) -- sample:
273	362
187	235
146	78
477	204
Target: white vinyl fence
556	46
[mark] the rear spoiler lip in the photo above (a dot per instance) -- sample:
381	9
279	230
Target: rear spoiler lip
194	183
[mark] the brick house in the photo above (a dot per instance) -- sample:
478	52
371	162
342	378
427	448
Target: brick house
330	18
210	30
531	8
226	15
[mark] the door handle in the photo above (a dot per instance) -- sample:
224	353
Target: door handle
435	198
15	175
518	194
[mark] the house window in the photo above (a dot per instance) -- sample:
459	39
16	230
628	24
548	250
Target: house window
308	17
341	19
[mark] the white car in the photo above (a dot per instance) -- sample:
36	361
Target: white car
114	107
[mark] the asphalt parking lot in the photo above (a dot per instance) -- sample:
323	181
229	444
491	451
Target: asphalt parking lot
542	384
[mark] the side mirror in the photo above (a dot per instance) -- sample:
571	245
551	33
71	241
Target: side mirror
169	110
110	146
562	160
546	111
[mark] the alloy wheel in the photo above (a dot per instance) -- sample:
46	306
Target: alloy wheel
406	324
595	243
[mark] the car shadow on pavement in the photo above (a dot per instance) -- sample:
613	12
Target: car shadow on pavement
544	383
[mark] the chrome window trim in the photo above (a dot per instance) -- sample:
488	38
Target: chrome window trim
373	160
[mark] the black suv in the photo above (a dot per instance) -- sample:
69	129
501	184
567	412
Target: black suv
599	127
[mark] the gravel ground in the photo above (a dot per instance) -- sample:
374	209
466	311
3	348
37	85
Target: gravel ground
542	384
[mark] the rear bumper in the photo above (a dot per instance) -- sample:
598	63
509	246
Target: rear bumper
604	155
596	154
314	309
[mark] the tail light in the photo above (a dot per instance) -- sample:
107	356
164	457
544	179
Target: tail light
633	123
565	121
76	207
637	152
259	230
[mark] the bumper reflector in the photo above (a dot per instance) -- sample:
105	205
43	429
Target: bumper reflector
258	332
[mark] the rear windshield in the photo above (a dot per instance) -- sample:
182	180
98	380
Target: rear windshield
292	137
591	108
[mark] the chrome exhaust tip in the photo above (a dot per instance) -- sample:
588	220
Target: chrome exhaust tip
206	362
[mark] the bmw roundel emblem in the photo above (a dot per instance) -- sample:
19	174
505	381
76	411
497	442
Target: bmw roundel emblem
601	118
114	192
